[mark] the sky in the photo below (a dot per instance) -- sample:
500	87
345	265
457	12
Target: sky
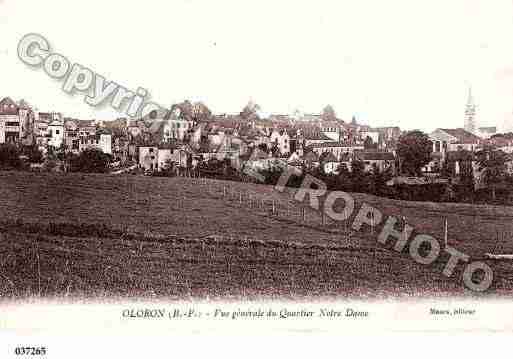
404	63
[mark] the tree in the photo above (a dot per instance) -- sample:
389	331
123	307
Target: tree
10	157
358	176
492	164
200	112
344	181
414	150
369	144
466	187
185	110
250	111
91	161
33	153
263	147
328	114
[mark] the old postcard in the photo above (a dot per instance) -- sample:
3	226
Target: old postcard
191	169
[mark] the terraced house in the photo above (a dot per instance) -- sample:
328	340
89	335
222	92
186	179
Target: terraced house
14	121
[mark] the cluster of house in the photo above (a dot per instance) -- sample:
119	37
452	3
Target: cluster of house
456	149
257	143
19	123
306	140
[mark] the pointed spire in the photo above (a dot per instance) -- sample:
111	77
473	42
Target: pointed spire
470	112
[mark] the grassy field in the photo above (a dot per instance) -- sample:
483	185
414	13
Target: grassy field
98	235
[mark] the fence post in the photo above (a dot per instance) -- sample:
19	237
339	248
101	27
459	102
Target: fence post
446	230
240	197
273	207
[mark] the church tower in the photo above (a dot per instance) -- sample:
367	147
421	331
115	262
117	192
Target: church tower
470	113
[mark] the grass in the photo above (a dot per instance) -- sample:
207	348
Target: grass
134	236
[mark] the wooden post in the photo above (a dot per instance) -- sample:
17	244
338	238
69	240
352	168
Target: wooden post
38	269
274	207
224	191
446	233
303	214
240	197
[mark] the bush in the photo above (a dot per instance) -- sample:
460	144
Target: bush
10	157
33	153
91	161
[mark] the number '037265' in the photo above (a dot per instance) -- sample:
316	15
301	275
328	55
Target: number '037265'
30	351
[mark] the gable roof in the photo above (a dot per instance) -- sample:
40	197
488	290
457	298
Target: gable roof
311	157
334	144
56	123
490	129
8	107
462	136
461	155
23	104
327	157
316	136
375	156
85	123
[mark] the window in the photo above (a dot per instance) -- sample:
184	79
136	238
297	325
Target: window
12	123
57	132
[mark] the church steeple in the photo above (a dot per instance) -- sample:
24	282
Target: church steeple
470	113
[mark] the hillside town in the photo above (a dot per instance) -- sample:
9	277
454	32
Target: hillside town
189	137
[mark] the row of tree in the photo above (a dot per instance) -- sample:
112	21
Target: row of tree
13	157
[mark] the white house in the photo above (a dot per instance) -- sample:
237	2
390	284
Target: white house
338	149
378	160
176	129
373	135
163	156
486	132
447	140
56	133
329	163
102	142
281	139
148	157
12	119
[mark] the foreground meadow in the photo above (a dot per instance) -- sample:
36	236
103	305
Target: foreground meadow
134	236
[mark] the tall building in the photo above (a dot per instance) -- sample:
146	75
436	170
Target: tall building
15	120
470	113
